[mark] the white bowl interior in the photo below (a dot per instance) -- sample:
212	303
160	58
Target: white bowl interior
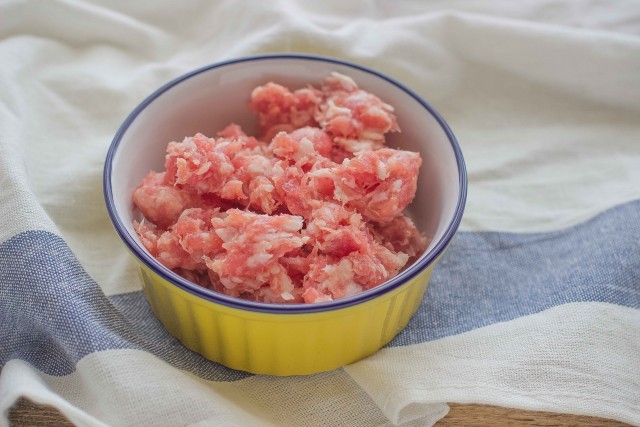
208	101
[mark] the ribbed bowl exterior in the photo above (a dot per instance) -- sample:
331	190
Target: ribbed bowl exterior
252	336
283	344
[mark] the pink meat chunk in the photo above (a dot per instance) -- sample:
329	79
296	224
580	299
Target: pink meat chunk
400	235
313	214
205	164
165	247
199	277
332	277
335	230
225	167
253	245
159	202
185	244
162	203
280	109
297	264
350	259
290	184
304	144
253	173
199	163
357	119
378	184
196	234
232	131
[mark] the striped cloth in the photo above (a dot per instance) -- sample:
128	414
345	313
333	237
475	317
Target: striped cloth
536	305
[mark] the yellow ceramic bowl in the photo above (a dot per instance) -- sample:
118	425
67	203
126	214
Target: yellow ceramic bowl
280	339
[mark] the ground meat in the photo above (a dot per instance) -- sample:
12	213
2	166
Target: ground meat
165	247
199	277
310	212
280	110
302	145
160	202
252	248
185	243
350	258
378	184
357	119
300	190
400	235
198	163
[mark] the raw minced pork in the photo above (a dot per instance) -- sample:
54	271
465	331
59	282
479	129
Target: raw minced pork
310	210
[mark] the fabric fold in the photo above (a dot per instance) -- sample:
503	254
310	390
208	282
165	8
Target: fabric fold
534	306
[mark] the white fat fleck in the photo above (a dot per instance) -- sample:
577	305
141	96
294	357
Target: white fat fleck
277	169
355	145
324	298
371	135
320	173
329	268
377	111
262	246
258	166
355	219
396	186
378	197
293	223
360	96
350	182
275	235
267	187
224	164
334	110
340	195
306	146
352	289
227	234
258	259
181	165
346	82
381	171
286	296
402	258
343	267
204	168
213	264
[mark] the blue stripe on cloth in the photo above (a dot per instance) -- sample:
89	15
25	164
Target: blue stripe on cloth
491	277
52	313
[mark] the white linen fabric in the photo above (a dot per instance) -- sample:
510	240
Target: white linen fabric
536	304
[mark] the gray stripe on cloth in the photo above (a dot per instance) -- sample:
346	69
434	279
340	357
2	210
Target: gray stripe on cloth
490	277
52	313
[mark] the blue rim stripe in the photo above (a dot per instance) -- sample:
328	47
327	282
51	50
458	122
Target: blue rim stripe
394	283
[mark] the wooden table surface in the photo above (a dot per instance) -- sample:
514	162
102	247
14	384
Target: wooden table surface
26	413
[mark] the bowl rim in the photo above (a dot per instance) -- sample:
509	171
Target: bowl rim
299	308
